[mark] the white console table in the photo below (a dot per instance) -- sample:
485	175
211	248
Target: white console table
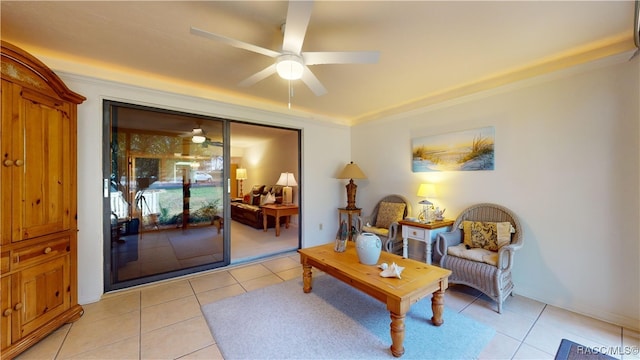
422	232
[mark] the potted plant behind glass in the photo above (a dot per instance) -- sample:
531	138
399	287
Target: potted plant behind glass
210	211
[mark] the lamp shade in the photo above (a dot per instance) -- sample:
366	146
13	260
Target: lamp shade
287	179
241	174
427	190
351	171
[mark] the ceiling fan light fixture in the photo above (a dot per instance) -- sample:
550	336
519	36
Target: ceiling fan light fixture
198	136
290	67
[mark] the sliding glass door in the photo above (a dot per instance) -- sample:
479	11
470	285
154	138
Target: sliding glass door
164	192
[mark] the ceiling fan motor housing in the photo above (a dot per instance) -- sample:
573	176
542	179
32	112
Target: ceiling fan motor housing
290	66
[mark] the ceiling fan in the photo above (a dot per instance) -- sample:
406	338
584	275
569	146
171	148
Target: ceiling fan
198	136
292	63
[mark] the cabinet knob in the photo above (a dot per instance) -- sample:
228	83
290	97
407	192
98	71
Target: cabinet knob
17	307
7	312
8	163
47	250
19	162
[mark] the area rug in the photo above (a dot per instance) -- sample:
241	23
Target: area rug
188	244
568	350
334	321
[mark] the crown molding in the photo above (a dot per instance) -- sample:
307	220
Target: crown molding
583	58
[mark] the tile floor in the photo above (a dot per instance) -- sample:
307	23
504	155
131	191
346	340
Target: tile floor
164	321
152	253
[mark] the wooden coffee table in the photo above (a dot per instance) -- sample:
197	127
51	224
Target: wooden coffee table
418	280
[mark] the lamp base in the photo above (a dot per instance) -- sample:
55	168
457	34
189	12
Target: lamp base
287	195
351	195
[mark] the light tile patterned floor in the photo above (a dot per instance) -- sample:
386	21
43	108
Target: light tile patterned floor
163	321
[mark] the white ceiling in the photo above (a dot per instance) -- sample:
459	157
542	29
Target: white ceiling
427	49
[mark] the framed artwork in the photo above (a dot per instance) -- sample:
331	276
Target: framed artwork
467	150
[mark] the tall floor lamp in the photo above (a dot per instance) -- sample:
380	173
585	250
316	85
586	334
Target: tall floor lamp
241	174
351	171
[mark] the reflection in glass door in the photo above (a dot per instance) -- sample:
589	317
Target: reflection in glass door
165	194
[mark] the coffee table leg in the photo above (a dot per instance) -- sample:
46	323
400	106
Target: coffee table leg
437	306
397	334
306	278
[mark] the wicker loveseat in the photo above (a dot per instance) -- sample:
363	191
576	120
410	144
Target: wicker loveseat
486	269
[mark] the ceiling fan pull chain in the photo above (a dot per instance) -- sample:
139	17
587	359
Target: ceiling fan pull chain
290	94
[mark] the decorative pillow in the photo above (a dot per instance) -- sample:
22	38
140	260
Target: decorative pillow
267	199
389	213
487	235
256	191
475	254
276	190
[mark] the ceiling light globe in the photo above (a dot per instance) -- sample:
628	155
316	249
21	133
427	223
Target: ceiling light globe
198	139
290	67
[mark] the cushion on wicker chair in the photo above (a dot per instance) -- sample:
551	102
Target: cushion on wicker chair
474	254
375	230
389	213
486	235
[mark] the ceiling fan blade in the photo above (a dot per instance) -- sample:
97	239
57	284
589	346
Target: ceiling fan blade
298	16
235	43
341	57
260	75
312	82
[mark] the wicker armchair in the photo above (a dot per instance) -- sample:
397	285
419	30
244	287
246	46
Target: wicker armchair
494	280
388	233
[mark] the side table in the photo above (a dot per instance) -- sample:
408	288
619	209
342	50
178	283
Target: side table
422	232
278	210
349	213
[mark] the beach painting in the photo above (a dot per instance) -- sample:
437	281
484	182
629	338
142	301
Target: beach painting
467	150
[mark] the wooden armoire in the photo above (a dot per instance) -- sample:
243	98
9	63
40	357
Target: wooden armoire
38	202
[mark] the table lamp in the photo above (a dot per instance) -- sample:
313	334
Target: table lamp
287	180
351	171
427	191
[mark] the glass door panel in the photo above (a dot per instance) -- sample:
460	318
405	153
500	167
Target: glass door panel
165	196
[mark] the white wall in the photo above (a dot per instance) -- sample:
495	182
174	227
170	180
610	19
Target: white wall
266	160
322	193
567	163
